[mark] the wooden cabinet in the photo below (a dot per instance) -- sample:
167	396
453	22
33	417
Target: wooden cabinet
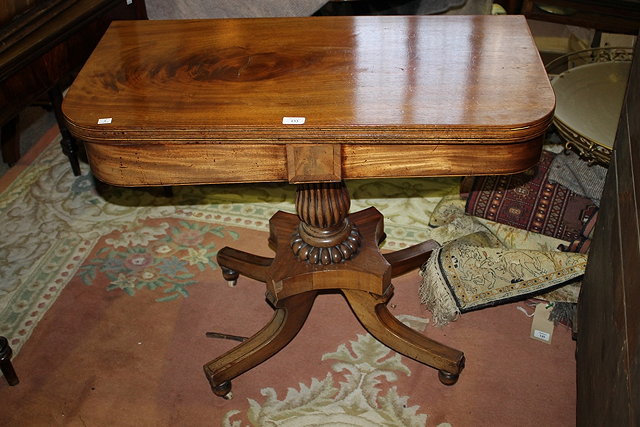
608	352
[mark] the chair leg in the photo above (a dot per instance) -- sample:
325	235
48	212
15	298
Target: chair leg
5	362
10	141
68	142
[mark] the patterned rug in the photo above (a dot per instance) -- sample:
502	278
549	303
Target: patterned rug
530	201
52	220
122	285
475	268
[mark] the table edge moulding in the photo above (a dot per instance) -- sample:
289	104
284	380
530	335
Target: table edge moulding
314	101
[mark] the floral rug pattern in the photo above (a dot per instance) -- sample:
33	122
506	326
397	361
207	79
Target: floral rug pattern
358	399
134	241
52	221
155	257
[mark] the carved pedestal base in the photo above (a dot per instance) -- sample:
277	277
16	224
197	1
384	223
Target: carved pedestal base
292	286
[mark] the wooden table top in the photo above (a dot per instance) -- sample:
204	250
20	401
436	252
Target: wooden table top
236	100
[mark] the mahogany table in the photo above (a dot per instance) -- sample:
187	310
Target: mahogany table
42	45
314	101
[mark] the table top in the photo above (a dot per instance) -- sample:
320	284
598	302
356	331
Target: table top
363	96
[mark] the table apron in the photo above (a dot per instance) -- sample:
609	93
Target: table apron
160	164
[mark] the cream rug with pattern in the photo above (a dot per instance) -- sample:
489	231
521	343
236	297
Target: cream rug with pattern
105	295
52	220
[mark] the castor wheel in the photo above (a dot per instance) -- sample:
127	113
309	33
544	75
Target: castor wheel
223	390
447	378
231	276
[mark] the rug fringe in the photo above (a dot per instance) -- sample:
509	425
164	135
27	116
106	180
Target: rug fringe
435	294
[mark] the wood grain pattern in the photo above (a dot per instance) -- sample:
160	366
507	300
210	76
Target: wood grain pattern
608	347
371	310
449	88
43	47
142	164
365	281
368	271
314	163
208	101
287	321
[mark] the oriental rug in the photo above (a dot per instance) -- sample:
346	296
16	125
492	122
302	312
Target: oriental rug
106	295
530	201
474	269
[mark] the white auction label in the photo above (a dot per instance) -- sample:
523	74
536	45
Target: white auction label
542	335
293	120
104	121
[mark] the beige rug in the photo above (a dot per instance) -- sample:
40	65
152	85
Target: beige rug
107	296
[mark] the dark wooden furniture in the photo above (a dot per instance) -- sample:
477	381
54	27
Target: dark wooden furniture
615	16
41	46
5	362
384	7
608	353
314	101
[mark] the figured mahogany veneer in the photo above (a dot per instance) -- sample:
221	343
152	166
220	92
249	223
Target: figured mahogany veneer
43	43
314	101
395	96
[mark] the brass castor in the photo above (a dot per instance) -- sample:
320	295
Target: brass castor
447	378
223	390
231	276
